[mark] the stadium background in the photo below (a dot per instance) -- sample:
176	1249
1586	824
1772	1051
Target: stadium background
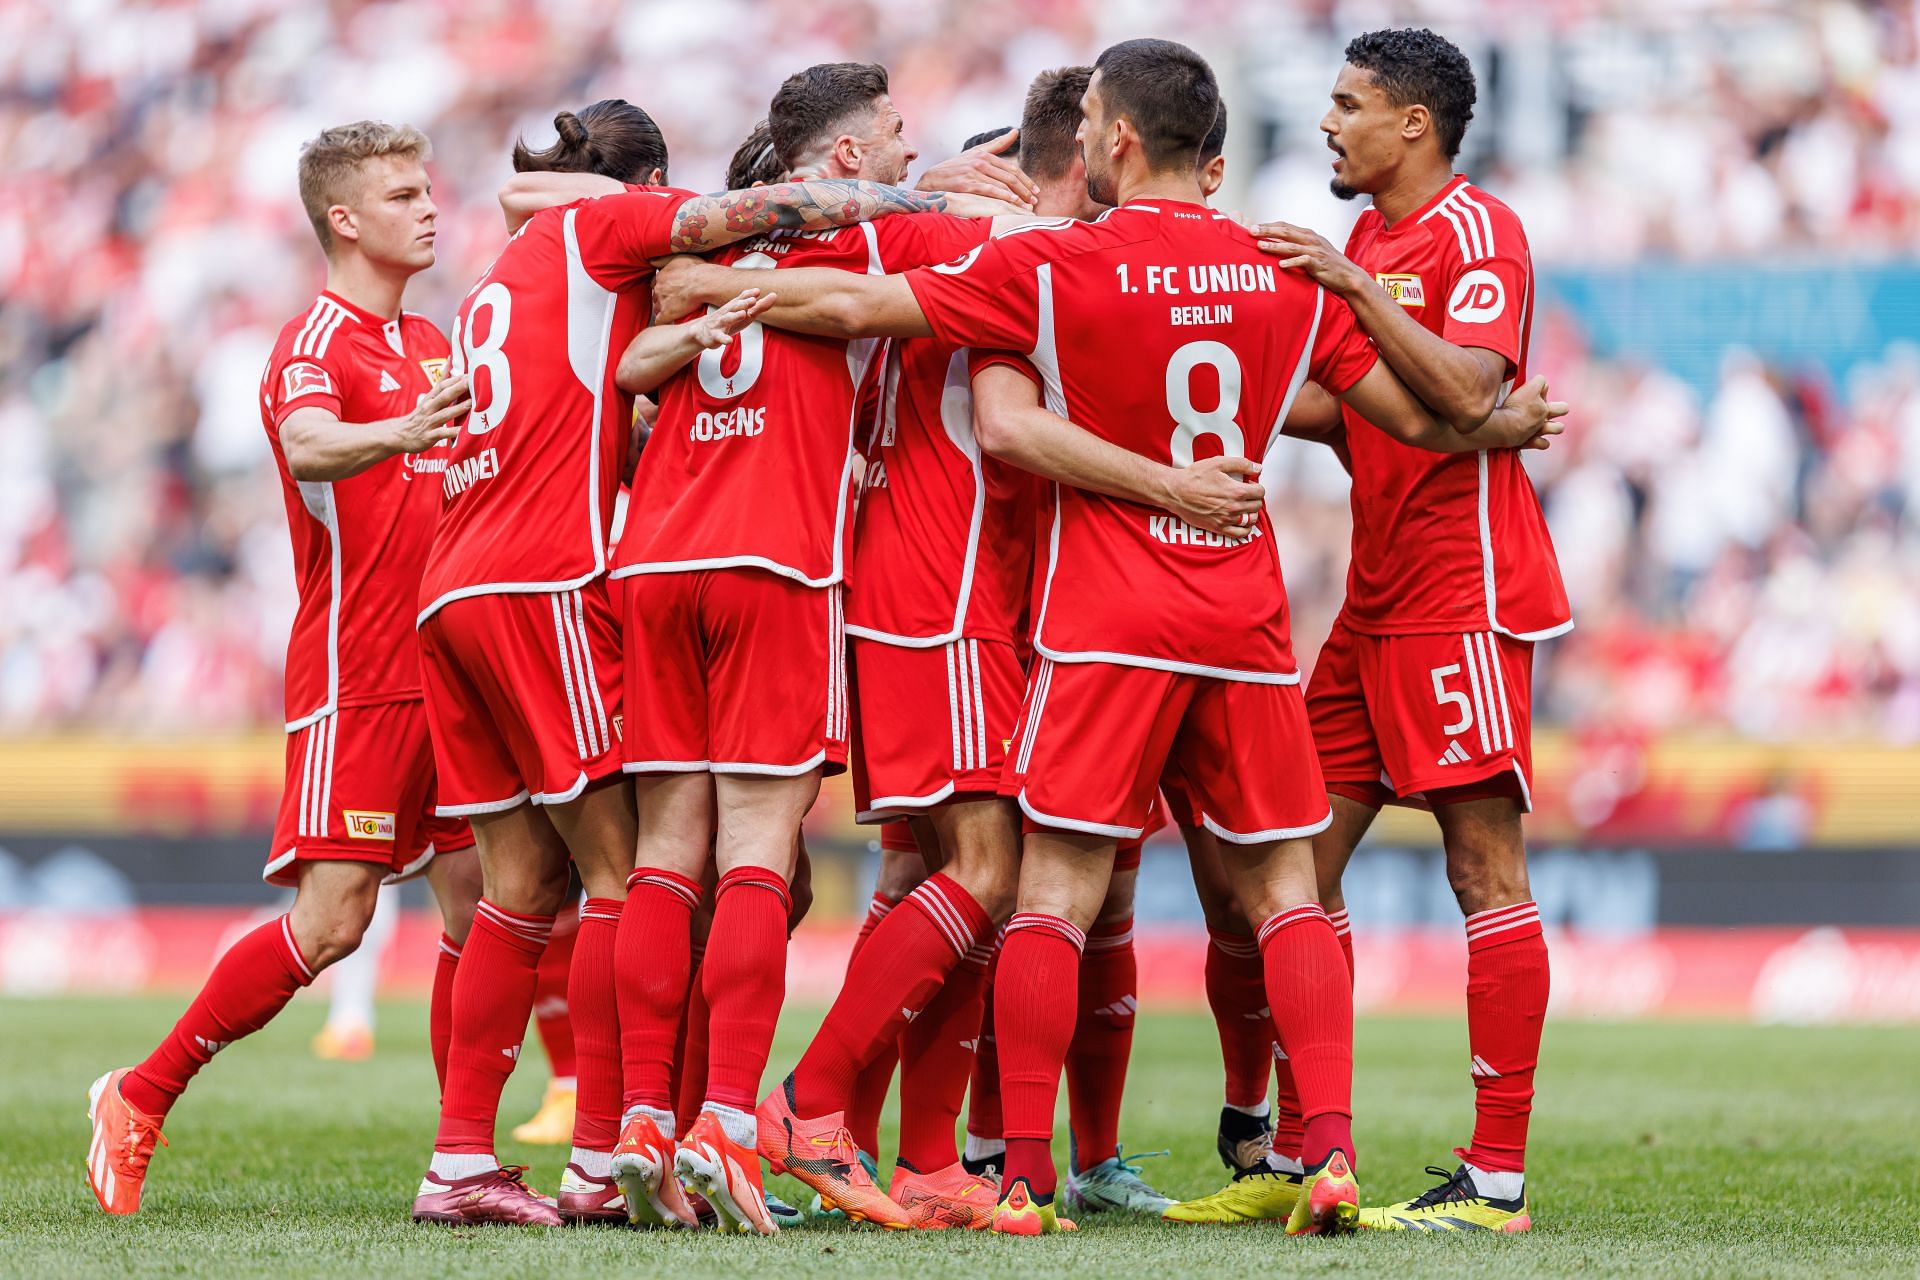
1723	204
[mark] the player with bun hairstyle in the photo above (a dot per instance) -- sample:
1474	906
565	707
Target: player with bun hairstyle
521	647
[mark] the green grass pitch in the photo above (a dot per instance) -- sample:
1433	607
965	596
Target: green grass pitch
1659	1149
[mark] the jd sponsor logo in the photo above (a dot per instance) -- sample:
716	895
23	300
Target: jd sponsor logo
1478	298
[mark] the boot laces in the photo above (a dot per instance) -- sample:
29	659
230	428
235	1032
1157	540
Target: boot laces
1455	1186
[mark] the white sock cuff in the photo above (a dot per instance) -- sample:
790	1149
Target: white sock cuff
662	1120
984	1148
461	1164
740	1125
597	1165
1260	1112
1498	1186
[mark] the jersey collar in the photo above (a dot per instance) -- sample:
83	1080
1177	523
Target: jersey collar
361	314
1414	219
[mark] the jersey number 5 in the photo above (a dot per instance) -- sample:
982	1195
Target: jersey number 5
1191	423
490	404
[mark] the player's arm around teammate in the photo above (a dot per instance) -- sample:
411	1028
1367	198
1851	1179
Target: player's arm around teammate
1211	494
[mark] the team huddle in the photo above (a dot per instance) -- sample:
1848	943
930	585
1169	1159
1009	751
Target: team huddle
955	488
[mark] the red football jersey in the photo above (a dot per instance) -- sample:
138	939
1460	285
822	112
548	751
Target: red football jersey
1161	328
1451	542
530	489
943	543
359	544
751	458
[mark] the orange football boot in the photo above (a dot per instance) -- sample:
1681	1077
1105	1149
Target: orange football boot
727	1174
123	1141
822	1154
949	1197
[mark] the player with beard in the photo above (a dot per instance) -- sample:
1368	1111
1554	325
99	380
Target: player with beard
356	403
1426	679
1155	637
522	662
723	726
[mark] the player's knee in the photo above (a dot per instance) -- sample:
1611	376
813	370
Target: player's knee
332	937
1481	883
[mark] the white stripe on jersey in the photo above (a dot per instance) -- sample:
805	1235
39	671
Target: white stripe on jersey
1463	199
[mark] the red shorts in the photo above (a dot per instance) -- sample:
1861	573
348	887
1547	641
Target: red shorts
1395	717
360	788
523	692
904	698
897	837
734	671
1095	739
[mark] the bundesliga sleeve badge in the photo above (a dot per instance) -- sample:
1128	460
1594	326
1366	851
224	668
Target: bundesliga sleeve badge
303	379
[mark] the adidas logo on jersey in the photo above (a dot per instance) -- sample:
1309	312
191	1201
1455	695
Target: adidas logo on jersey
1456	754
388	382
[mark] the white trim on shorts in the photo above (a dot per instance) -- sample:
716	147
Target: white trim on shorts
1072	824
1267	837
485	806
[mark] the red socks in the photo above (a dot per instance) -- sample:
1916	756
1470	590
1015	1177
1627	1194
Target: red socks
550	1011
653	961
936	1056
984	1120
492	999
691	1090
1037	982
890	982
870	1090
1506	1003
1311	996
1102	1041
1237	994
249	984
746	981
1343	931
595	1033
440	1007
1289	1128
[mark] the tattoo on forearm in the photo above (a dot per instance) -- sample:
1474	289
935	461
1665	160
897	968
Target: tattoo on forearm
802	206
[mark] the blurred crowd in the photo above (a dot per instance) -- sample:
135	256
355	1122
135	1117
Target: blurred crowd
1743	552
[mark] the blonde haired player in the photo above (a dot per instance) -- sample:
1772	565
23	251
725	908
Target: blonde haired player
356	405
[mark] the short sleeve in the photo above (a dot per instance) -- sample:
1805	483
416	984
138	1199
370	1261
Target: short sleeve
986	297
1342	352
980	360
909	240
620	235
1487	302
305	382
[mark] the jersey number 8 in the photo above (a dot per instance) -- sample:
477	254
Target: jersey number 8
1191	423
751	342
470	359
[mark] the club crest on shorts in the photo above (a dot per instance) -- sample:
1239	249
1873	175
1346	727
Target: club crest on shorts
364	824
1403	288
